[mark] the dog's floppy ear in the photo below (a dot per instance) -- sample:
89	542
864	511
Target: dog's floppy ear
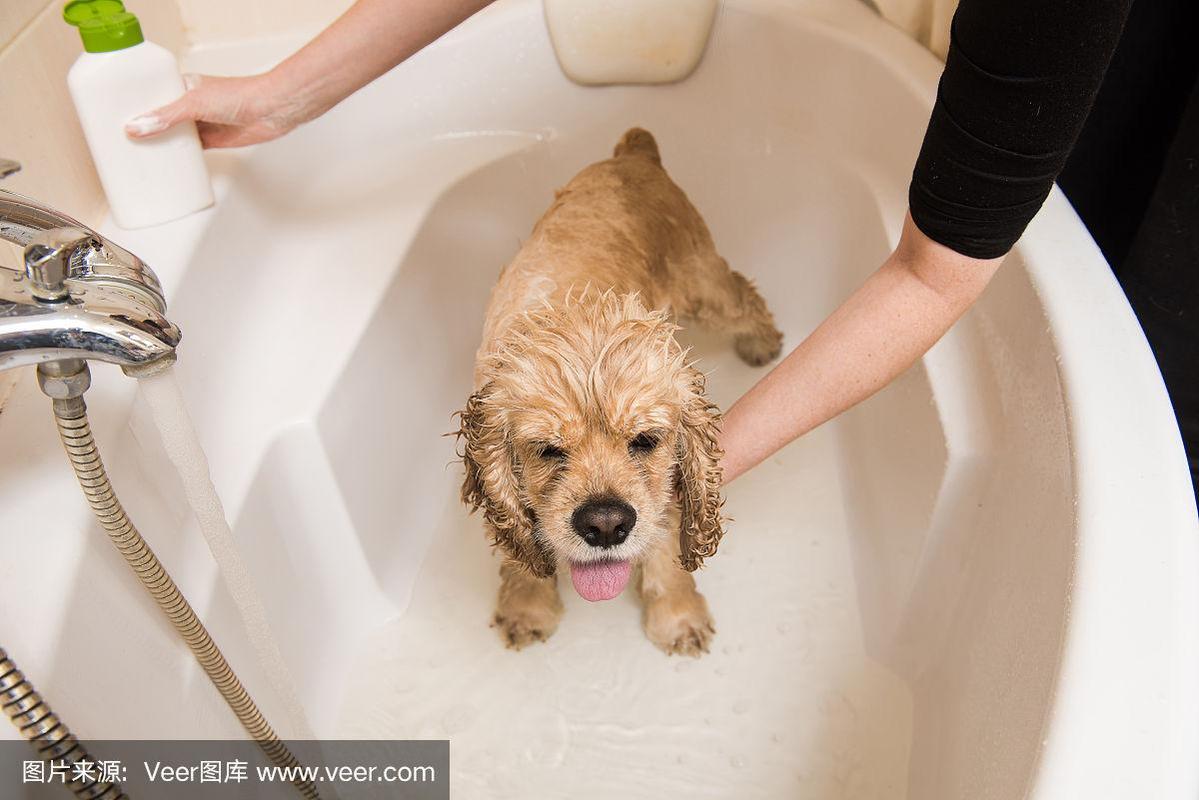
699	475
491	484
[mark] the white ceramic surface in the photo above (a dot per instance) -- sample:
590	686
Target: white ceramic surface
981	583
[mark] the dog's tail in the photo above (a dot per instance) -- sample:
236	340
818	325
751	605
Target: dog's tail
638	142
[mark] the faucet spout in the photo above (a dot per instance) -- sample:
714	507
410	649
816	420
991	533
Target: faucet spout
79	296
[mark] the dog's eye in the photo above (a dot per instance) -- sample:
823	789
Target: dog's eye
551	452
643	443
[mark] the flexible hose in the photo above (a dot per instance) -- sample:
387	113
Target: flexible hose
49	735
71	417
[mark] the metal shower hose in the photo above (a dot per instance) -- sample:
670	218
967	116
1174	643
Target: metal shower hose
71	418
49	735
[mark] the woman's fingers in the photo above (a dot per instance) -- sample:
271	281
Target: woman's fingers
146	125
228	112
158	120
184	109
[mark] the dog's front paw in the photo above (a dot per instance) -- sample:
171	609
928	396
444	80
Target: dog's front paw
522	626
759	349
518	632
679	623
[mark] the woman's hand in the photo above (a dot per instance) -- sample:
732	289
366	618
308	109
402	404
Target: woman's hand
228	112
878	332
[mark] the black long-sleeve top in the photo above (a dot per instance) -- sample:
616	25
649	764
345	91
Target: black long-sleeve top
1019	80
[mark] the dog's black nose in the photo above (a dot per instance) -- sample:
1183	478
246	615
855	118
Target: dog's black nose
604	523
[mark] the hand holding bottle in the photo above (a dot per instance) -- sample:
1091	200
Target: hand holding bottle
228	112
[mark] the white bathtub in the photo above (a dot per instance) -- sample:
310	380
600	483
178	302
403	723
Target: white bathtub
981	583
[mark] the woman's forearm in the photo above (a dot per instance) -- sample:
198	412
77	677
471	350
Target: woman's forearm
878	332
370	38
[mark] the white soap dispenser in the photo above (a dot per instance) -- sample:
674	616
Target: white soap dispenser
118	77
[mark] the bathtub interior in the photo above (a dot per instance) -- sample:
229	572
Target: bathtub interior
887	612
354	512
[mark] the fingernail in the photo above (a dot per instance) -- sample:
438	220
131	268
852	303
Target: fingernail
144	125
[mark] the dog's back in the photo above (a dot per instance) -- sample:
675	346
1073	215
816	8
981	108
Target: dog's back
620	224
623	225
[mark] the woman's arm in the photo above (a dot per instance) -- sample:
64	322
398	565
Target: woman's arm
1019	80
368	40
885	325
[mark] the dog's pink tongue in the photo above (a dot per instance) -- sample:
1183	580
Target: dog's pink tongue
600	580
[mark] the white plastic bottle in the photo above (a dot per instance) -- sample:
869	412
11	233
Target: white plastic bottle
119	77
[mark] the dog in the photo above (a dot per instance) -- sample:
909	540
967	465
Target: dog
589	441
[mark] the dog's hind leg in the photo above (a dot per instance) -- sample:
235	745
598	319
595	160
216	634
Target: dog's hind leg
528	608
723	300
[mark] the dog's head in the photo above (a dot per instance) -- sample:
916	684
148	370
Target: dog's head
589	429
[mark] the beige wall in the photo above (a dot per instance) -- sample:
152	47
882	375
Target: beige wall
223	21
926	21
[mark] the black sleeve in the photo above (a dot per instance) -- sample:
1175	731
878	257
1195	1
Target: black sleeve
1019	80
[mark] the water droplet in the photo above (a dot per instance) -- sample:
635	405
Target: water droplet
737	761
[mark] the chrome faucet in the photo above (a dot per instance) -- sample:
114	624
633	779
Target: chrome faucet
79	296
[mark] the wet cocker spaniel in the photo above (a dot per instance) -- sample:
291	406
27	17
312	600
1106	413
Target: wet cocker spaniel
589	442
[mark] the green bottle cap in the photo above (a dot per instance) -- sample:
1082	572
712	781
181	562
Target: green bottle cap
104	25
